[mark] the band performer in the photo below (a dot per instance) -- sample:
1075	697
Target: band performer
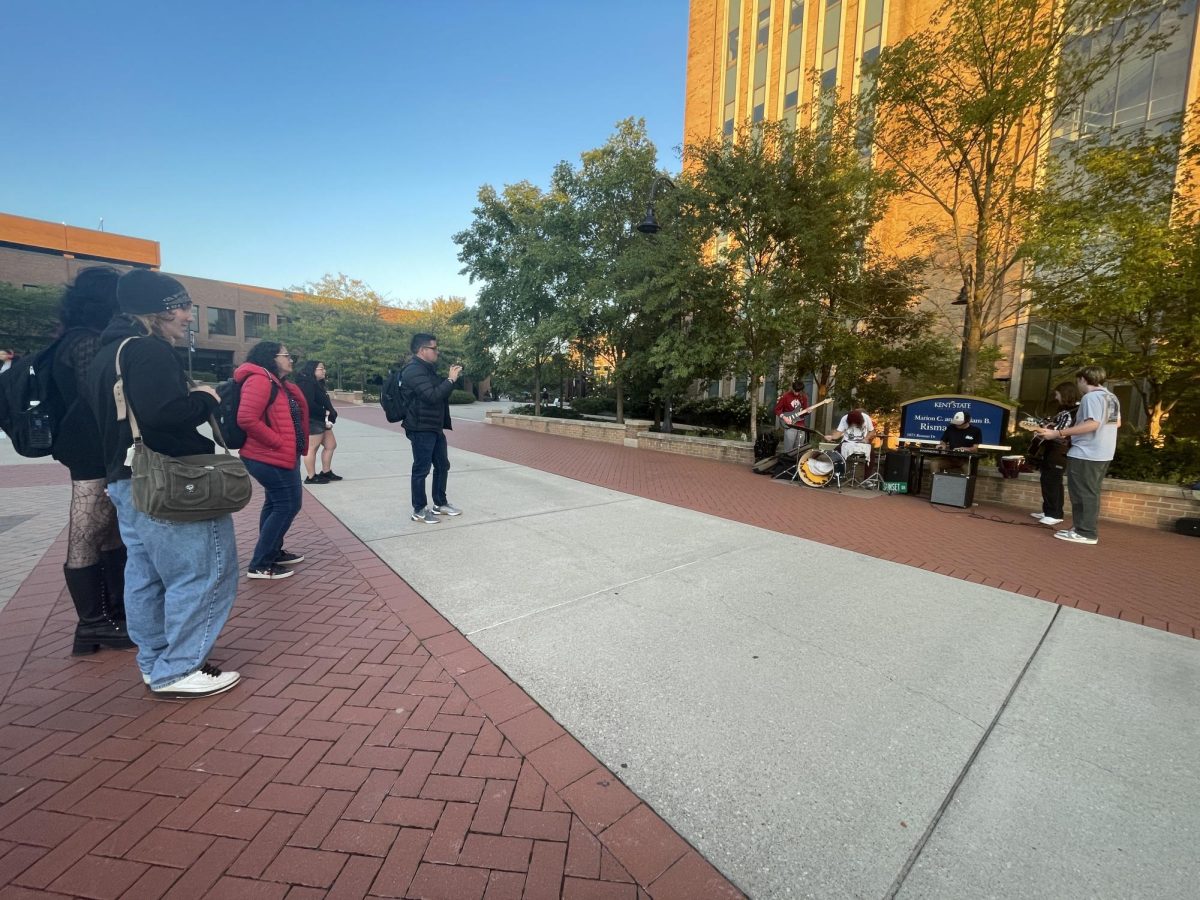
856	432
1052	455
793	434
961	436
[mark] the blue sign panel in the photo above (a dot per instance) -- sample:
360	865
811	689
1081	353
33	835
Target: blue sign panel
926	418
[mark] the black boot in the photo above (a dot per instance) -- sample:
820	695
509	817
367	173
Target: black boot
95	629
113	562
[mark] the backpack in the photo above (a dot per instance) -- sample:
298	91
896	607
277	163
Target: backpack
31	407
226	413
391	398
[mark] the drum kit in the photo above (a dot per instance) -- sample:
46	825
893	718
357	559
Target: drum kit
819	468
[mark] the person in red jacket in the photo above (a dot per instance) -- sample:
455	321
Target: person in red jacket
794	434
274	416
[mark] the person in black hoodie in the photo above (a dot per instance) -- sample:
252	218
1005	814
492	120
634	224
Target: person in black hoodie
95	566
321	416
426	399
180	577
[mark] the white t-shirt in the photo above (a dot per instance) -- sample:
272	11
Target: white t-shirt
1099	445
855	432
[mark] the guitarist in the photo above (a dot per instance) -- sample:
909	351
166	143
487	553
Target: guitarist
1051	454
793	434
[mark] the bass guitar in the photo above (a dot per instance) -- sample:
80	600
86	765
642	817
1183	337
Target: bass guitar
791	418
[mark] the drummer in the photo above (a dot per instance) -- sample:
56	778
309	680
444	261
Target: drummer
856	431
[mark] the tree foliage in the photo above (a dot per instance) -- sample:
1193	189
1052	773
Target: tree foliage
28	316
340	321
1117	252
960	111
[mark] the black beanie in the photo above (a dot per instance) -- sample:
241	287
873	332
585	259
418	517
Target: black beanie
141	292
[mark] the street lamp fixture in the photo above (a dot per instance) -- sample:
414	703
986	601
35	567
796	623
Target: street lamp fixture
649	224
961	299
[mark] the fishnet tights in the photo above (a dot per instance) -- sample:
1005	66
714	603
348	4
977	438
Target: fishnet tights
93	525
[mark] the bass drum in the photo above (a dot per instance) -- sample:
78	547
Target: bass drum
818	468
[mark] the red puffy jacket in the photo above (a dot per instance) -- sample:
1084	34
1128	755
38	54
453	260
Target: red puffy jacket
270	435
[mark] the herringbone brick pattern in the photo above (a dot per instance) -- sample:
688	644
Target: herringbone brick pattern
370	750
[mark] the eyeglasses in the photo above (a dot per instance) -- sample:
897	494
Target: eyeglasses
433	347
285	356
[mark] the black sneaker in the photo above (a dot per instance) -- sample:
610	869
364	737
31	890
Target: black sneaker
272	573
288	559
329	476
319	478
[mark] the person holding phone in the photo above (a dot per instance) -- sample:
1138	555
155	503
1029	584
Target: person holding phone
426	399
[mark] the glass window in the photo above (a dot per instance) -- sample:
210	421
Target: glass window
733	38
256	324
221	321
793	61
830	42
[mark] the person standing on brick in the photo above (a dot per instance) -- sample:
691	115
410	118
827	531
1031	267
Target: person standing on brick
426	399
1093	445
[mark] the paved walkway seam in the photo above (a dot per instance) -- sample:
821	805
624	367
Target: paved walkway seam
915	854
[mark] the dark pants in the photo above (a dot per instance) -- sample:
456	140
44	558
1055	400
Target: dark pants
283	497
1052	488
1084	479
429	450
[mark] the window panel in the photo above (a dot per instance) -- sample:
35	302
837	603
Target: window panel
221	321
256	324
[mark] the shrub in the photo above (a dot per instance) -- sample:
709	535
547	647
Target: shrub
548	412
1177	461
725	413
594	405
457	396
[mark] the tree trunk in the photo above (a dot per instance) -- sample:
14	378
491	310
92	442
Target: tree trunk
968	360
753	387
537	389
620	399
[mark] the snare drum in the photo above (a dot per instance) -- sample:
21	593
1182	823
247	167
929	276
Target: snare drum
1010	466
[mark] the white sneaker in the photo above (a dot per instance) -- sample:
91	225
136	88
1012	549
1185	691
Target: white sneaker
1075	537
1039	516
1046	520
446	509
204	682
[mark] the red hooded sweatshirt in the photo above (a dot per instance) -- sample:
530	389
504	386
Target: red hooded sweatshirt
270	434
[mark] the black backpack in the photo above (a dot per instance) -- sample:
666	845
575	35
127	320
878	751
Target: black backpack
31	407
230	392
392	399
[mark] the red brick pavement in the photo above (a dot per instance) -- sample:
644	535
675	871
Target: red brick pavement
370	750
1134	573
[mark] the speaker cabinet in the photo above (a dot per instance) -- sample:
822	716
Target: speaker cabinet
950	489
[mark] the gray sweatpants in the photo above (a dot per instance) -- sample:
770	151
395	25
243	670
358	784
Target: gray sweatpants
1084	478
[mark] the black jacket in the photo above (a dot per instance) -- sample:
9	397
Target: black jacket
77	443
157	390
319	404
426	397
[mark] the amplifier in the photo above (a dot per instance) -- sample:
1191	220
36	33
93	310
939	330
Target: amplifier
1188	526
952	490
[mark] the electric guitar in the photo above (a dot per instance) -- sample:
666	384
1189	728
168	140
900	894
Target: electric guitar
791	418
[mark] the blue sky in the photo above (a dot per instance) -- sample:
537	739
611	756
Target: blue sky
272	142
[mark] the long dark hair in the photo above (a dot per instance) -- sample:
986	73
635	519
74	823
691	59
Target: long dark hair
263	354
1069	393
91	301
308	372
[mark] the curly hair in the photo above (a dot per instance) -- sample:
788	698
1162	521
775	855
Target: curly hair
263	354
91	301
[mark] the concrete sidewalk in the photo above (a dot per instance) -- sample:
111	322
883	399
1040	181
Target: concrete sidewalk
814	721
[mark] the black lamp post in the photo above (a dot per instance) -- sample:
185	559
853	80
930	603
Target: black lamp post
962	300
649	225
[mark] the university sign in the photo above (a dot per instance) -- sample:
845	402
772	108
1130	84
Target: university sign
926	418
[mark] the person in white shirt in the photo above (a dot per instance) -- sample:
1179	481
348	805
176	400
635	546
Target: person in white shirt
856	431
1093	445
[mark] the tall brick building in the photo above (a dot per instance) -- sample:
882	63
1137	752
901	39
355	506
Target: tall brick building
750	60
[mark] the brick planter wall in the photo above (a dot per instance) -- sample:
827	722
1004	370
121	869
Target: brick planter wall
740	452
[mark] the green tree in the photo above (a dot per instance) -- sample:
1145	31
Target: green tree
513	247
28	316
1117	253
606	262
960	111
784	214
339	320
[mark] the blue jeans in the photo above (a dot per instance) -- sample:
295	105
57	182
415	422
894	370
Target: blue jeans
429	449
283	497
180	583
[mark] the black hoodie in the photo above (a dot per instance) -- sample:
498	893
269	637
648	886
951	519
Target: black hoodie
155	387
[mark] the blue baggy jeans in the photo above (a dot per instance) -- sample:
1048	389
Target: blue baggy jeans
180	583
281	503
429	449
